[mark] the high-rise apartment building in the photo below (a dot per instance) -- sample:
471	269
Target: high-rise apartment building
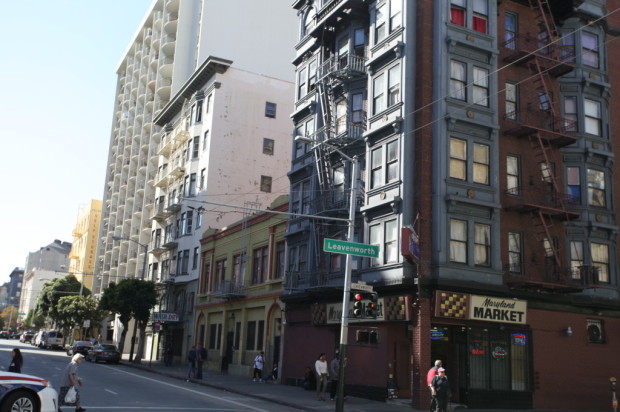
174	63
84	247
485	139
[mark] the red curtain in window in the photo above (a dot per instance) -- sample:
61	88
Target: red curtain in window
457	16
480	24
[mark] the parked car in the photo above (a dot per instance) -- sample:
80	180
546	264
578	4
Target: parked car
15	335
4	334
105	353
26	393
49	339
26	336
79	346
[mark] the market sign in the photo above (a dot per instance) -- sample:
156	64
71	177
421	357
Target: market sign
485	308
165	317
497	309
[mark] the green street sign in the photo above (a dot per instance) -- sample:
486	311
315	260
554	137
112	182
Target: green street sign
21	314
350	248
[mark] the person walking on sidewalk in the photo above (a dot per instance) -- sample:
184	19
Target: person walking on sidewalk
16	361
259	363
201	356
168	355
432	372
322	376
440	388
191	362
334	370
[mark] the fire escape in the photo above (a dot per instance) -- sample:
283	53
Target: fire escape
546	131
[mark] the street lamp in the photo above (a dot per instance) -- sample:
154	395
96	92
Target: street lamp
135	322
344	326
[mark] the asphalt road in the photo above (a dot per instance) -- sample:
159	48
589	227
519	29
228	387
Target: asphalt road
120	388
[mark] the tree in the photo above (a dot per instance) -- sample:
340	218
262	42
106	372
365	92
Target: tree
112	301
143	297
9	318
34	320
54	290
74	310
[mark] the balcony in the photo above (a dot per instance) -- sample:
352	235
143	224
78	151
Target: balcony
170	241
554	130
335	11
342	131
552	58
166	145
229	290
174	204
157	248
344	68
160	212
525	199
176	168
550	278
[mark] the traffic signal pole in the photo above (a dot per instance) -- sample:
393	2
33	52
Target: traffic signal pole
346	295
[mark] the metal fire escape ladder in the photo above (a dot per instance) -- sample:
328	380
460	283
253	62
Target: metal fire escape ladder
320	154
542	10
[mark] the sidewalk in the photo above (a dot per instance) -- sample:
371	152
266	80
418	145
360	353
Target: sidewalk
292	396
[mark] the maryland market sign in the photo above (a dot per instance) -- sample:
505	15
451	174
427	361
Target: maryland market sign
484	308
165	317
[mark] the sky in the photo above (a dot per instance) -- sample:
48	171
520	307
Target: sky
58	66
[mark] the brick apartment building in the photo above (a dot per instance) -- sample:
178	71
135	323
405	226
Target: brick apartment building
486	143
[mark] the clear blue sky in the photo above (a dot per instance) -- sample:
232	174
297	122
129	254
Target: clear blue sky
58	69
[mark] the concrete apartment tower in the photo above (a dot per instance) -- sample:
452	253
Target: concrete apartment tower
486	139
162	78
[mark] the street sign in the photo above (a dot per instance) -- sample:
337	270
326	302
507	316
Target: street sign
350	248
361	286
21	314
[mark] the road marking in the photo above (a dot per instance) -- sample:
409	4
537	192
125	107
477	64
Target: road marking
188	390
112	392
160	408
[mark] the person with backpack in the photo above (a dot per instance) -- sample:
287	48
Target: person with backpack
191	362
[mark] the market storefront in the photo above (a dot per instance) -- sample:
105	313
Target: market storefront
485	345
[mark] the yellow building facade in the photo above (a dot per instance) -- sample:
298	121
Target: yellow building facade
84	248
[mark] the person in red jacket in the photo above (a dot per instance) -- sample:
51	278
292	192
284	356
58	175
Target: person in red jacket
432	372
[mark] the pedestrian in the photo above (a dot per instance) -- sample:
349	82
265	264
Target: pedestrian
259	363
322	375
334	370
168	355
70	379
201	356
191	362
16	361
273	376
309	382
440	389
432	372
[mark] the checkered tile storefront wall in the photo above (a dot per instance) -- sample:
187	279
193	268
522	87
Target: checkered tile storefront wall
394	308
319	314
452	305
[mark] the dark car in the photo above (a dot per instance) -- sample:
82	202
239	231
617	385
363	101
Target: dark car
4	334
79	346
104	353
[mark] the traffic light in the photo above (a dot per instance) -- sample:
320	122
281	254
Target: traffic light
358	306
371	306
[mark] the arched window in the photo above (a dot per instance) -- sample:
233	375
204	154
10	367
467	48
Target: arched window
308	21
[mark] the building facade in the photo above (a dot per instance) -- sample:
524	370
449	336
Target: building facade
175	38
486	144
84	248
16	278
238	310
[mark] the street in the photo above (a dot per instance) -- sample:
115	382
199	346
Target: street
118	387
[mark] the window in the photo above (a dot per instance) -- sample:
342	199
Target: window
576	258
388	18
481	86
573	184
458	241
589	49
303	129
279	267
268	146
259	334
482	244
212	336
458	80
265	184
510	30
473	15
302	83
341	117
205	141
512	105
515	257
195	258
220	274
357	108
203	179
359	43
196	147
191	188
270	110
593	117
570	114
596	188
567	46
186	222
338	184
199	111
308	22
385	164
209	99
250	340
343	52
260	265
183	262
300	202
386	89
312	75
459	161
204	277
385	236
513	173
600	260
239	269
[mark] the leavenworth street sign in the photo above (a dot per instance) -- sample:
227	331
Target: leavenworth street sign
350	248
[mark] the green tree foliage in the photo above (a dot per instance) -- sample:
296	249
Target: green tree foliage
74	310
53	291
34	320
131	298
9	318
